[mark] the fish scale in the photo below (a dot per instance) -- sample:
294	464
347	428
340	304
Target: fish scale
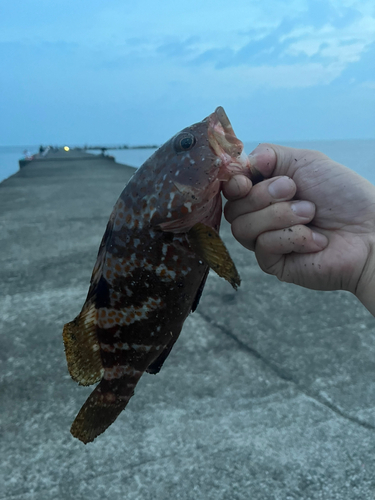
152	264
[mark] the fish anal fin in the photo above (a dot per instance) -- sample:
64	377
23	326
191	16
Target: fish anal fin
156	365
82	348
208	245
98	412
199	292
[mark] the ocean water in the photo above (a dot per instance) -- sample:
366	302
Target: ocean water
9	156
359	155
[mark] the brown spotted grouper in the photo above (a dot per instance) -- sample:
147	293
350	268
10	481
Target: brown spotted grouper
152	264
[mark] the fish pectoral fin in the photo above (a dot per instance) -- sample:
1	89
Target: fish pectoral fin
82	348
208	245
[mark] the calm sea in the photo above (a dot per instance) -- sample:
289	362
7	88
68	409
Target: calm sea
358	155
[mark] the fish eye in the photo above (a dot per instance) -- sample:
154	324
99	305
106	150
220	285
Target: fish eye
184	142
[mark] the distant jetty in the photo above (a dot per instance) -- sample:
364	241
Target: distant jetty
105	148
52	154
65	153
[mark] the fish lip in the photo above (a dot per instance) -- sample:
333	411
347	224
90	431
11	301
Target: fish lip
229	148
222	137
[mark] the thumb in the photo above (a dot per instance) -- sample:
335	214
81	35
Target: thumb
273	160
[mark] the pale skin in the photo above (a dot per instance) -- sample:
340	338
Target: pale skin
310	222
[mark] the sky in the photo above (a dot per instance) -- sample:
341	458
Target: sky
137	72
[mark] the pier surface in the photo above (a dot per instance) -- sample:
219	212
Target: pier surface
269	393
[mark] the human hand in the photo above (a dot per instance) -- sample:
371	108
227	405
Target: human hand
311	222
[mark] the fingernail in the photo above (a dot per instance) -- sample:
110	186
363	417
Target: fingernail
320	239
303	208
280	188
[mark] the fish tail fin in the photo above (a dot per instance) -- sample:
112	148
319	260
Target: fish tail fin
101	409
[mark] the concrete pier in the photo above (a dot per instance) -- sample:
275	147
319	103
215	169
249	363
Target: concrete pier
269	393
57	155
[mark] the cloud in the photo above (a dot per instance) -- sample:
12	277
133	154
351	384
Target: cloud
328	48
328	40
128	59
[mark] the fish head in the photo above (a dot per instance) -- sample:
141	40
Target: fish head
188	170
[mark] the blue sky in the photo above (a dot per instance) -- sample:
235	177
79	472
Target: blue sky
137	72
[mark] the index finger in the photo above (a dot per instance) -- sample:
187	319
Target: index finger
263	159
262	163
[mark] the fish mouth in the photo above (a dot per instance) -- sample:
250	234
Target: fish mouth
223	140
226	145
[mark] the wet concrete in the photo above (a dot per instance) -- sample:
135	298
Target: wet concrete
268	394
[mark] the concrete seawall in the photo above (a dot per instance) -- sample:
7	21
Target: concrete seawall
56	155
268	394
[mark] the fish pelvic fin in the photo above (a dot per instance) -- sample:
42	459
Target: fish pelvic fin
99	411
208	245
82	348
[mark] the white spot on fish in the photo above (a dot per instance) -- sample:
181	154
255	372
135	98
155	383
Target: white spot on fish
177	172
136	242
172	194
152	212
142	347
164	273
188	206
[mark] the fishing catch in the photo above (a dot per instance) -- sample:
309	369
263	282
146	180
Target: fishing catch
160	241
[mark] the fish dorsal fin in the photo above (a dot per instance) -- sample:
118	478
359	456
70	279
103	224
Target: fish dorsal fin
208	245
82	348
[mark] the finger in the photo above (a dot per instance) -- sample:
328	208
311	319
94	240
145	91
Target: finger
284	160
271	245
261	196
248	227
237	187
263	159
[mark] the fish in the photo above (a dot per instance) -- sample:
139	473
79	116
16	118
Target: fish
159	244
